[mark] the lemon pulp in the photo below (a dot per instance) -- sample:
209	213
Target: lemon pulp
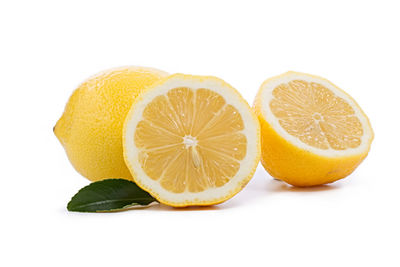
190	140
317	117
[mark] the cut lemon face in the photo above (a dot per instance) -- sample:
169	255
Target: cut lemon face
191	140
312	132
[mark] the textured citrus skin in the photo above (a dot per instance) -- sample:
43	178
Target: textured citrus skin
296	166
90	129
217	199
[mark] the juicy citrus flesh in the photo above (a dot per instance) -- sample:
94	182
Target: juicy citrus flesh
187	142
190	140
316	116
91	125
312	132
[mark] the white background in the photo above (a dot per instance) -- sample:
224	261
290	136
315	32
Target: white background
48	47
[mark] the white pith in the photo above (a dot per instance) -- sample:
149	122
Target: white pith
189	141
266	97
251	131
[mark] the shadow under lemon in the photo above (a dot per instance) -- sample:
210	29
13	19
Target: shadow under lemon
261	185
275	185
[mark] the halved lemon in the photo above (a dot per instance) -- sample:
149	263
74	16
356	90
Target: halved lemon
312	132
191	140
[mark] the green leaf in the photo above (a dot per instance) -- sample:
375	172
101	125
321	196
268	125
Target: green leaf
109	195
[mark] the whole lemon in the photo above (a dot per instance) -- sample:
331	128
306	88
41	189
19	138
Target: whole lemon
90	129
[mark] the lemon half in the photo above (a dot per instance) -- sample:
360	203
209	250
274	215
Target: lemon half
312	132
191	140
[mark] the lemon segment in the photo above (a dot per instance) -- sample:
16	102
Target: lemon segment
312	132
191	140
